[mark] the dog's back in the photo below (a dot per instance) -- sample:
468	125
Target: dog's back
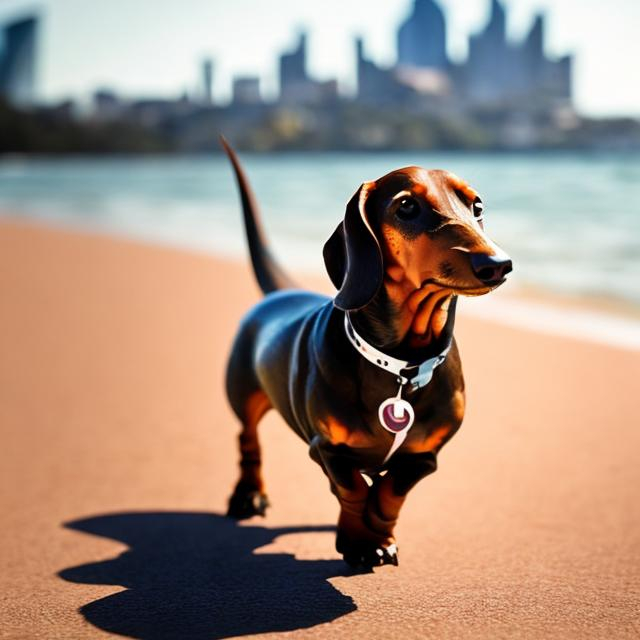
270	343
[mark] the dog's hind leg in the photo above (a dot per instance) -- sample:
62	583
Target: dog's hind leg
249	498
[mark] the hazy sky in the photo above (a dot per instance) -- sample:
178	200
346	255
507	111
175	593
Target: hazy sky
153	47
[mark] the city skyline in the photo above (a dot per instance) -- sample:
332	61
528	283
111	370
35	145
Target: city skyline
106	64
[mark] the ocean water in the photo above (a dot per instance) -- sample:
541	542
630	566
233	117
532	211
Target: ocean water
571	222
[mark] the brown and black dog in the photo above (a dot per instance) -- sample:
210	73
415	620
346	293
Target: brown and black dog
409	243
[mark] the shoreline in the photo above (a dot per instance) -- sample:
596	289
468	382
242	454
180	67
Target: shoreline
193	204
598	320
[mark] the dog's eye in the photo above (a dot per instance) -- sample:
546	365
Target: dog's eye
408	209
478	209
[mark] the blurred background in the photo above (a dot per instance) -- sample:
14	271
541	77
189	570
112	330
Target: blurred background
113	417
110	114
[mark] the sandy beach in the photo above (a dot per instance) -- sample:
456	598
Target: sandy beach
119	452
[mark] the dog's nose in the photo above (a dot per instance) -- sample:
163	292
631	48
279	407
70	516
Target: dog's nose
490	269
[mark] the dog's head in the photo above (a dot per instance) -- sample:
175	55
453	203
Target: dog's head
417	231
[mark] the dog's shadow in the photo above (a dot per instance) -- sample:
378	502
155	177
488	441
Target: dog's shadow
195	575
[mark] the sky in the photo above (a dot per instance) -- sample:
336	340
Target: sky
155	47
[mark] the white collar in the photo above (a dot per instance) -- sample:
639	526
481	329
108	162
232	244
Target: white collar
423	372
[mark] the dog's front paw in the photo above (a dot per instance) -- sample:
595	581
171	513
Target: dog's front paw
365	555
246	503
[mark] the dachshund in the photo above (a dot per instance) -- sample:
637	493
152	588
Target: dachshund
371	380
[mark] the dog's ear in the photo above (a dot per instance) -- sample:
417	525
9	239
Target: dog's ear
353	257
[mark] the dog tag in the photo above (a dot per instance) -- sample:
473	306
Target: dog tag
396	415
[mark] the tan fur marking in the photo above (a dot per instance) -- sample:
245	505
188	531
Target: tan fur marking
431	442
250	455
421	308
257	405
460	185
338	433
436	438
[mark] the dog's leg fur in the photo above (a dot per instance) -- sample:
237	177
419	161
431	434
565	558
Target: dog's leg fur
360	545
249	402
249	497
388	493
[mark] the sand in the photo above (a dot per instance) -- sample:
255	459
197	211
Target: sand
118	455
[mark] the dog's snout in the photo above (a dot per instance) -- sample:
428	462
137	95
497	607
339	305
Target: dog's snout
490	269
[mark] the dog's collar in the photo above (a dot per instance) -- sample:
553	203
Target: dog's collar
395	414
417	375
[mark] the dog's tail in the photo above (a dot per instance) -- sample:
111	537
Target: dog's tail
268	272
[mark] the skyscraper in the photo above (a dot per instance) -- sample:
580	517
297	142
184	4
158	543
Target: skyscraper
18	62
293	74
246	91
376	85
496	30
500	72
207	81
296	86
422	38
490	59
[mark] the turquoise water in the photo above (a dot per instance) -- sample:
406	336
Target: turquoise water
570	222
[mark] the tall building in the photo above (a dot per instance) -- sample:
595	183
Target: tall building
376	85
296	87
422	38
552	78
106	105
496	30
18	62
293	74
503	73
246	91
207	81
488	67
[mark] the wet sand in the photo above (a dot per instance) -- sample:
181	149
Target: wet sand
119	451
